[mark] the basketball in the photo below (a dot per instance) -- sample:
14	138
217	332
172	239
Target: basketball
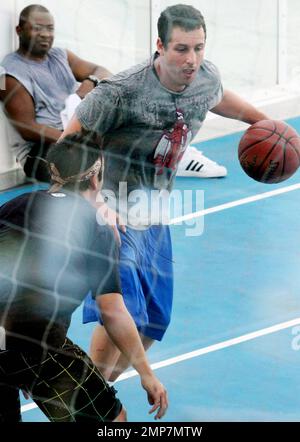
269	151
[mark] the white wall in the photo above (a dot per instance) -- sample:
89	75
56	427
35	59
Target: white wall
6	45
114	33
293	42
241	39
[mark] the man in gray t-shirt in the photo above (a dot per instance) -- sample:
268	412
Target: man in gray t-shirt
146	116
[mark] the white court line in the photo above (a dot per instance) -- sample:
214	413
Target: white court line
249	199
28	407
203	351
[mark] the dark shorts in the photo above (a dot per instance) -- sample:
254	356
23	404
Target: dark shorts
65	385
35	166
146	271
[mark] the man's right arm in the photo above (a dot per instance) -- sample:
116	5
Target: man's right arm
121	329
20	110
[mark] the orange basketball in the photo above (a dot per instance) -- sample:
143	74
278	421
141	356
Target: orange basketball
269	151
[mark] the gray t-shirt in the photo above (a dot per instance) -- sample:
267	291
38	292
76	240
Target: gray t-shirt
146	127
49	82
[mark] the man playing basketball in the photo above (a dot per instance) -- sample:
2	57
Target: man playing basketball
146	116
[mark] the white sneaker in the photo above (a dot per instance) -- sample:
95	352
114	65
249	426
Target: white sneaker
195	164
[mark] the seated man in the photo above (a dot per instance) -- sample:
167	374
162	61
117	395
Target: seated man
38	80
52	252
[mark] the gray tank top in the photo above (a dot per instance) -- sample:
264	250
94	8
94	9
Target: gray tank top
49	83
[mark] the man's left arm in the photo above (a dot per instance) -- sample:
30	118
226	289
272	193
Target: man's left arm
82	69
233	106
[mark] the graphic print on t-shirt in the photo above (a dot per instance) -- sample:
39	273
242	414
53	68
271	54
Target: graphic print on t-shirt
170	149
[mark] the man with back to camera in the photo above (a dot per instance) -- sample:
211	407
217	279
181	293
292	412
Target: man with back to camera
146	116
39	78
52	252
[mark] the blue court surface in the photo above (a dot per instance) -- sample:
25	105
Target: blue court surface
232	351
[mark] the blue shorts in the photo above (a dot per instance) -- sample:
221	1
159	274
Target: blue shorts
146	271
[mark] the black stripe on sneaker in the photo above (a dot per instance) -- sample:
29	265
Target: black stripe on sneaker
191	163
196	165
199	168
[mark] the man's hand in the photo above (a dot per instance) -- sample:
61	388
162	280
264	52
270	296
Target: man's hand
85	87
122	331
157	395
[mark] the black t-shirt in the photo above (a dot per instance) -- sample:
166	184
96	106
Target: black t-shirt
52	252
